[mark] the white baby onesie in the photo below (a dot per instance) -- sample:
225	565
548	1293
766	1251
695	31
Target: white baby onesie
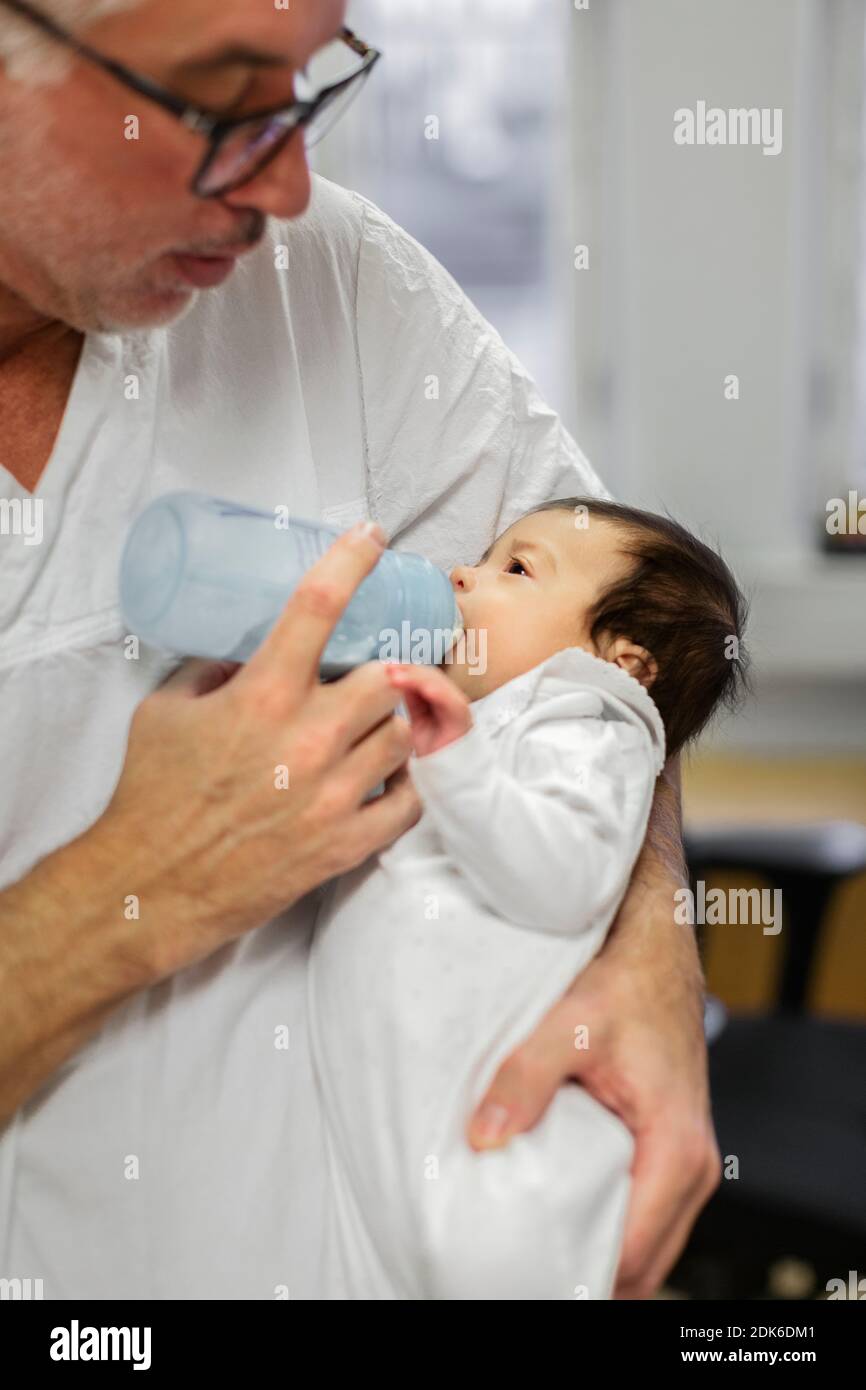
435	958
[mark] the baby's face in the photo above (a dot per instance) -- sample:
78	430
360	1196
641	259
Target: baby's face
529	597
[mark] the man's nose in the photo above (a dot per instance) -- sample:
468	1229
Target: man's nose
282	188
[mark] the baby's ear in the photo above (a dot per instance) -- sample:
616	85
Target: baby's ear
634	660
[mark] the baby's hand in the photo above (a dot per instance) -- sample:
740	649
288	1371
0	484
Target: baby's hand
437	709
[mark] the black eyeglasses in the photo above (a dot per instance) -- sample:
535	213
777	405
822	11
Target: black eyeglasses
239	149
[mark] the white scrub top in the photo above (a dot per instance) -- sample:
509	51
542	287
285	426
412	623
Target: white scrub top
179	1154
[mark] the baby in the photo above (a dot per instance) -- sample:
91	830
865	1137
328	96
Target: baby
611	635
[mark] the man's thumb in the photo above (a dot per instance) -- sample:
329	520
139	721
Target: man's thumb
198	677
527	1081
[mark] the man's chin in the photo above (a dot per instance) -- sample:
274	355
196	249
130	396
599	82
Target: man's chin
149	309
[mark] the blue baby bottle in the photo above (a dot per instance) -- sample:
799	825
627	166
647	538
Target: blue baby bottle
205	577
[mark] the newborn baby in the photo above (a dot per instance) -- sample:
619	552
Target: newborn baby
610	636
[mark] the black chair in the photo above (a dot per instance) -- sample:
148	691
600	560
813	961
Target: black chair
788	1090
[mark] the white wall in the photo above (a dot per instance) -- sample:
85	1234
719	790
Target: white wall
707	261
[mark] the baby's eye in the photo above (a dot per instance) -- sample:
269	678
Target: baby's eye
520	565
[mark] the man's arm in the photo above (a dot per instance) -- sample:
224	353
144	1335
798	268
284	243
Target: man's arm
642	1002
662	858
677	1163
201	832
68	956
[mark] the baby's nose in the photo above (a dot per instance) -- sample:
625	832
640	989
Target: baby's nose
462	578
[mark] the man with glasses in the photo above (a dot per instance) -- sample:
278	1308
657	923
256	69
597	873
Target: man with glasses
157	892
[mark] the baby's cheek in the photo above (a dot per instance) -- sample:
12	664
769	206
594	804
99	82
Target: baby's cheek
456	673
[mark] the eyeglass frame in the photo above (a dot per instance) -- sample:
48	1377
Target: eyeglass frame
200	119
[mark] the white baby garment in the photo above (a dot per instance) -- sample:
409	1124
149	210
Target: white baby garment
436	958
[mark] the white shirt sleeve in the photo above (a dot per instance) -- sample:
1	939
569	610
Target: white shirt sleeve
459	442
551	844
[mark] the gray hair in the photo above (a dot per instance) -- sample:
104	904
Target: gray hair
29	55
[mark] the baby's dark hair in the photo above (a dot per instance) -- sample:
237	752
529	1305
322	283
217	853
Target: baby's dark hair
682	603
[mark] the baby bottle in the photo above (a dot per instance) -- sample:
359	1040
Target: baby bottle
201	576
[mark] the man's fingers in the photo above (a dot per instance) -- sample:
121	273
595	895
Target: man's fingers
670	1250
379	755
660	1215
652	1213
293	648
642	1281
527	1081
387	817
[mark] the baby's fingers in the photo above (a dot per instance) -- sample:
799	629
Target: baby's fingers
434	687
418	709
438	710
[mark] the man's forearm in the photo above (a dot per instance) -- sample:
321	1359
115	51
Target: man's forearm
661	861
68	956
645	928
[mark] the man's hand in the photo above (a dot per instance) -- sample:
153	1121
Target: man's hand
244	788
438	711
642	1002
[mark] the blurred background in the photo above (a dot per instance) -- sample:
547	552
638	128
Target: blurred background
554	123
